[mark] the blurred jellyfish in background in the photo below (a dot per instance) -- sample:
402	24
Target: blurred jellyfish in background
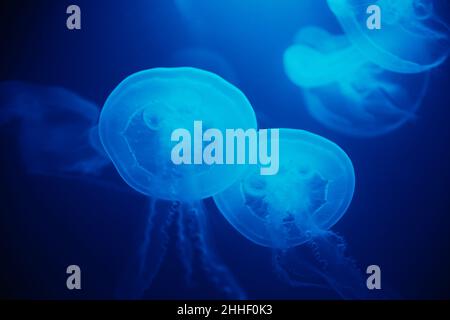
293	211
136	125
205	59
346	92
411	39
316	58
58	132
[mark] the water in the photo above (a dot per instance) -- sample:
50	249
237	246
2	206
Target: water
399	213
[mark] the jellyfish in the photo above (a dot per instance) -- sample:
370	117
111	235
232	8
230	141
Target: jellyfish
58	133
346	92
136	125
411	38
293	211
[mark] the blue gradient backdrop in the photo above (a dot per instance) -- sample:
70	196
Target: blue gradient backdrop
399	217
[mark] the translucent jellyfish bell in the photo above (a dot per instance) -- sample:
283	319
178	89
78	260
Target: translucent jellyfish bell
346	92
411	39
310	193
141	113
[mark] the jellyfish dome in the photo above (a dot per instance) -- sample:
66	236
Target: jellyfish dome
411	38
310	193
346	92
140	115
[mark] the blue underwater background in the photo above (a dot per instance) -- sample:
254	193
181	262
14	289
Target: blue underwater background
399	218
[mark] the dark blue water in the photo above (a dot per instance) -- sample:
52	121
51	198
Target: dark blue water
399	218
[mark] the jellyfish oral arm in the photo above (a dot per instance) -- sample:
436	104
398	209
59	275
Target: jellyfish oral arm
235	150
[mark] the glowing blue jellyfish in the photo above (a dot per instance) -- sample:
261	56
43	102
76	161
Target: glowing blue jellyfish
346	92
205	59
411	39
58	129
310	193
135	128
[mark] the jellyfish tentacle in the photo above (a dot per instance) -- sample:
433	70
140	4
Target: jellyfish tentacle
133	288
151	252
292	276
322	263
218	274
184	245
143	248
151	265
338	269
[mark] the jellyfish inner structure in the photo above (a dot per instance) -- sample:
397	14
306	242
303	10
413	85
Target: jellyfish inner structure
292	213
135	128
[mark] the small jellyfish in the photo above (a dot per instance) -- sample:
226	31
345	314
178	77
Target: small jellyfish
411	38
135	127
346	92
205	59
296	208
58	129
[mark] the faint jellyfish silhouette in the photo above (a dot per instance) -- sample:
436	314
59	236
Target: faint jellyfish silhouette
205	59
58	129
136	124
411	39
346	92
294	210
316	58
